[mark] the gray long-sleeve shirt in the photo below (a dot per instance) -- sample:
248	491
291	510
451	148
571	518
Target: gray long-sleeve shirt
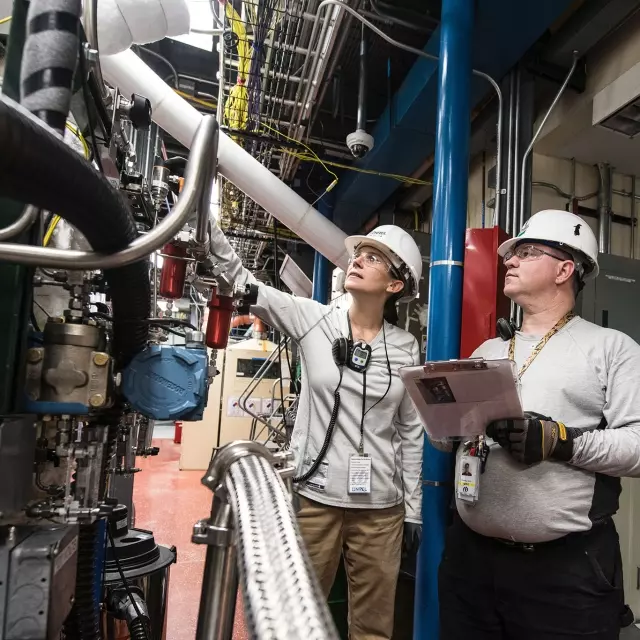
586	377
393	433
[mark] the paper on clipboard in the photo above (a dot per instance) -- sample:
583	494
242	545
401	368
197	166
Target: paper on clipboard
459	398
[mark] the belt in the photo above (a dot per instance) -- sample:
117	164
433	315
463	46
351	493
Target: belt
532	546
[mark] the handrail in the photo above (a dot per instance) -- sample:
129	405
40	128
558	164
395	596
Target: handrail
198	179
252	534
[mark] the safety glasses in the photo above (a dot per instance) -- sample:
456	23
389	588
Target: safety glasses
528	252
376	262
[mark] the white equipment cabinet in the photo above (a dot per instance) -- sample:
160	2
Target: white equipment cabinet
224	419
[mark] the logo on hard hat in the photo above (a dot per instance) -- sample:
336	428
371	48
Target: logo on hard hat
576	230
378	233
524	228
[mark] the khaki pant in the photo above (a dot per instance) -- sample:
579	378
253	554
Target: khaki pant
371	540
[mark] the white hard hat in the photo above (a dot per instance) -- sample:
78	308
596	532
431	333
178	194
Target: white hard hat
401	250
565	230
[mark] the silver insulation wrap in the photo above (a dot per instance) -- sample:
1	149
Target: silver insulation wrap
49	59
282	597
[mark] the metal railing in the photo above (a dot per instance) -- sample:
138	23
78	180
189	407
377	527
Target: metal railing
253	540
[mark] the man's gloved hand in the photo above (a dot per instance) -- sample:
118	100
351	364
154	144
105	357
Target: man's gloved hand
533	438
410	544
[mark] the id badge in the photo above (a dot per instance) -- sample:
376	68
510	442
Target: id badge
360	474
468	479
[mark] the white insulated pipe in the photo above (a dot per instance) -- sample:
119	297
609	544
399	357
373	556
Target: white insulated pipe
176	116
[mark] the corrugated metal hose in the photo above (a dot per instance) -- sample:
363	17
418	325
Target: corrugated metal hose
282	597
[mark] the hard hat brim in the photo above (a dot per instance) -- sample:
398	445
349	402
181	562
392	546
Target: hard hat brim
508	245
352	242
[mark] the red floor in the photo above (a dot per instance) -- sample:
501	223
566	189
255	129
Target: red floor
168	502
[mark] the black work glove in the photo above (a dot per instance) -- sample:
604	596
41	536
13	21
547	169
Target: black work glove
410	544
533	438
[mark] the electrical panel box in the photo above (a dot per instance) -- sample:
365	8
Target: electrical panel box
613	298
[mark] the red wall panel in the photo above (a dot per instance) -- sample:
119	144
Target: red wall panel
483	301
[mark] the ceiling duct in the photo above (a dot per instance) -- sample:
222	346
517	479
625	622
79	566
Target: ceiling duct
617	106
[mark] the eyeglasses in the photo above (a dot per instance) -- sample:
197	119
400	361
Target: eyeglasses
371	260
528	252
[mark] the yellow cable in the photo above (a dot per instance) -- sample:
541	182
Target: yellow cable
394	176
78	134
5	20
204	103
309	149
50	230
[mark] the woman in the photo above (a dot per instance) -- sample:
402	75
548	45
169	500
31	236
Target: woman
357	439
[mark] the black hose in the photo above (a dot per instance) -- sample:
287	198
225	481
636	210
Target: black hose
84	620
139	630
38	168
327	438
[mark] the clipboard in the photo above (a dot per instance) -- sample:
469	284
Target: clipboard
459	398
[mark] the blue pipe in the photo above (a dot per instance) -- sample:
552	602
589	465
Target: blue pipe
322	268
451	171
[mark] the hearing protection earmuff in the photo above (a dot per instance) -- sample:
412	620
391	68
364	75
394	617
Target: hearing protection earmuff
506	329
355	356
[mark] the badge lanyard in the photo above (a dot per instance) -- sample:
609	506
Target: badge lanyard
360	464
475	452
538	348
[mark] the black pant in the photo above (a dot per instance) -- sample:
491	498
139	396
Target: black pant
568	588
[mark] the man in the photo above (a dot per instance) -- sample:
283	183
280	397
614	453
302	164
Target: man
537	556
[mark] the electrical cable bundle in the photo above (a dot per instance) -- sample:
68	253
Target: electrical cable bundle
236	107
262	14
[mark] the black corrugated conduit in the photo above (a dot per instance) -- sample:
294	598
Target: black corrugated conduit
49	59
83	622
38	168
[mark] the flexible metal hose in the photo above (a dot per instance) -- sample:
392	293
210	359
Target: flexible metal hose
282	597
138	630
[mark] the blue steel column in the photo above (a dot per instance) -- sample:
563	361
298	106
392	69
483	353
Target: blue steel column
445	282
322	268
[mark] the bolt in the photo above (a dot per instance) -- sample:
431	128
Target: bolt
100	359
96	400
34	356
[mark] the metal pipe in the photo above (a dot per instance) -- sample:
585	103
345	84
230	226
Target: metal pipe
90	10
393	20
362	83
176	116
196	180
220	581
525	157
28	216
451	180
633	217
604	209
510	159
516	149
203	206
